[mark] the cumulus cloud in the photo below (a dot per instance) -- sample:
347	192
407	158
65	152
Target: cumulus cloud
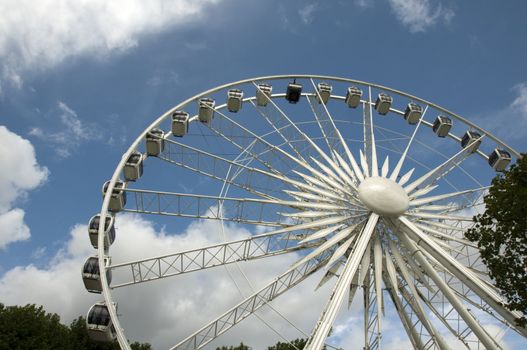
72	132
419	15
519	104
307	13
363	3
20	174
164	311
510	121
158	311
42	34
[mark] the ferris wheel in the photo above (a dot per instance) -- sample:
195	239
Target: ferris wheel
369	188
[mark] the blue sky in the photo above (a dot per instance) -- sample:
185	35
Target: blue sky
79	82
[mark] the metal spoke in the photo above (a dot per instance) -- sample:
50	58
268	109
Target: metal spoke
370	148
462	273
323	326
251	211
433	199
415	339
216	167
238	313
336	131
400	163
259	246
482	335
441	170
411	297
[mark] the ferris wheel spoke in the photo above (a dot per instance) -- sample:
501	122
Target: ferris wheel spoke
322	184
411	296
217	168
328	135
247	307
445	236
462	273
372	319
437	198
316	147
424	215
370	147
327	318
331	242
269	155
461	309
243	176
377	274
406	321
441	170
400	163
286	132
251	211
285	127
441	225
272	149
169	265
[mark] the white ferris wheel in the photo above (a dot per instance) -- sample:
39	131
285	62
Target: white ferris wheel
369	186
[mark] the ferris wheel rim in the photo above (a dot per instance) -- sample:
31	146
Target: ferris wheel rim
102	256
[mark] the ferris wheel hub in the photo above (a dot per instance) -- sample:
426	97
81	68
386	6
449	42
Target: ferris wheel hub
383	196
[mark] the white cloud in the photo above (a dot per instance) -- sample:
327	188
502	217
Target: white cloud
73	132
509	122
307	13
20	173
364	3
157	311
419	15
12	227
42	34
519	105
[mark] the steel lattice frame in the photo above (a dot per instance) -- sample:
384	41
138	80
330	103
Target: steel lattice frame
419	259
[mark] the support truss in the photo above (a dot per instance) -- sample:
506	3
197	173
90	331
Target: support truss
203	258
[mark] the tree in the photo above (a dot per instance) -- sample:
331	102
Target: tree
295	344
501	235
30	327
239	347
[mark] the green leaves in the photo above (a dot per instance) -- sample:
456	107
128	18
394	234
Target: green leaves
501	235
31	327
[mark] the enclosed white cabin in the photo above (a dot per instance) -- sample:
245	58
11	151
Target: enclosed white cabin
155	143
413	113
206	109
133	168
91	275
180	121
109	230
499	159
118	197
383	103
263	94
442	126
471	140
353	96
234	100
99	323
324	92
293	92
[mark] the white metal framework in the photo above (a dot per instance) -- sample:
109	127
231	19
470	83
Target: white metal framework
308	158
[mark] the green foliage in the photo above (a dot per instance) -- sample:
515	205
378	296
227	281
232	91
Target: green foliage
239	347
30	327
501	235
295	344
